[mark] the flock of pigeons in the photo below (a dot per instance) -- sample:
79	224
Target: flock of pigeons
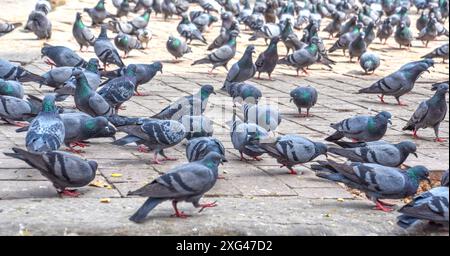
373	166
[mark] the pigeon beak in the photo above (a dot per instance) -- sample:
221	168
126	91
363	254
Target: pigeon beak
214	93
290	100
415	154
389	121
428	180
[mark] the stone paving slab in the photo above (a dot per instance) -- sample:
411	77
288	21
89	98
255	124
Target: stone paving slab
256	197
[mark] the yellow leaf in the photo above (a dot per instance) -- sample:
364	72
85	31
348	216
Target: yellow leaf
340	199
327	215
100	184
105	200
116	175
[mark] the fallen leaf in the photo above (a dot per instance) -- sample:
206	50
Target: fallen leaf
340	199
105	200
116	175
100	184
327	215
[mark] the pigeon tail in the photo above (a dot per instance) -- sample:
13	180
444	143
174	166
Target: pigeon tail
346	153
30	77
405	221
335	136
126	140
140	215
201	61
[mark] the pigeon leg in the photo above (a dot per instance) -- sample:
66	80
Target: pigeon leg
139	94
75	151
204	206
69	193
166	158
79	144
242	157
436	132
440	140
298	74
292	171
259	75
257	158
143	149
307	112
220	177
380	207
21	124
385	204
178	214
50	62
155	159
400	103
382	99
305	71
415	136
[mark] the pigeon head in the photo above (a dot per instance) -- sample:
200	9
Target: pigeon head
92	65
445	179
225	16
418	173
131	70
98	127
441	88
100	5
123	39
207	90
250	49
213	159
362	35
48	104
103	32
384	115
78	16
402	25
321	148
275	40
93	165
213	18
408	147
158	66
234	33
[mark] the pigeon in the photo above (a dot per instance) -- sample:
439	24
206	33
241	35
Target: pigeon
267	32
242	70
369	62
143	4
189	31
83	35
119	90
382	153
193	105
362	128
177	47
289	38
105	51
156	134
334	26
56	77
98	14
123	9
244	136
141	22
144	36
87	100
197	126
403	36
224	36
80	127
244	92
270	13
430	113
198	148
6	28
268	59
265	116
376	181
305	57
348	26
62	169
118	26
369	33
126	43
440	52
11	88
187	182
144	73
431	206
168	8
13	110
422	21
429	33
385	31
389	7
357	47
202	20
46	132
304	97
400	82
345	39
401	17
9	71
445	179
291	150
208	5
221	56
39	24
157	6
61	56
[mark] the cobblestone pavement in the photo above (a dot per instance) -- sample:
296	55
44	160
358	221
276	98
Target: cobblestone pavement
256	197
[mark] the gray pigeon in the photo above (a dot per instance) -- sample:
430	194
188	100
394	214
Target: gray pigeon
123	8
177	47
168	8
83	35
39	24
9	71
244	137
144	74
362	128
98	14
422	21
11	88
56	77
267	60
403	36
244	92
197	126
369	33
105	50
144	36
429	33
46	132
369	62
89	101
265	116
126	43
267	32
345	39
430	113
376	181
400	82
61	56
378	153
208	5
224	37
385	31
13	110
440	52
156	134
6	28
304	97
119	90
62	169
291	150
198	148
334	26
188	30
221	56
202	20
242	70
187	182
142	4
193	105
289	38
357	47
348	26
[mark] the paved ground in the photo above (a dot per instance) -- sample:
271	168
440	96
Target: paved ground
256	198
